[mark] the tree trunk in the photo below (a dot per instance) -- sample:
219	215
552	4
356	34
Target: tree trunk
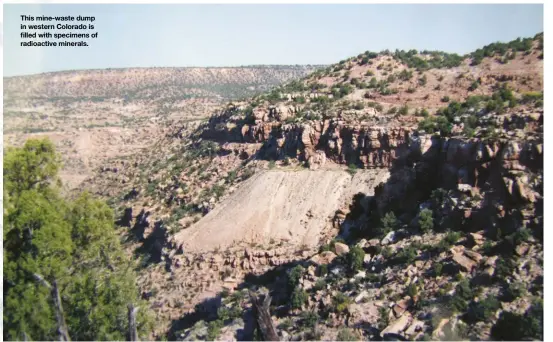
62	327
263	317
54	292
133	335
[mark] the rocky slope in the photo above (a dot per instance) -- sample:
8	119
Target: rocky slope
95	115
450	245
277	206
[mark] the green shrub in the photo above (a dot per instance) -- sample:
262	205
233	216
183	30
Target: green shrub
426	222
340	302
359	106
325	248
513	291
323	270
383	90
286	324
355	258
298	298
384	320
299	99
405	75
412	290
406	255
309	319
214	329
225	314
404	110
237	297
532	96
372	278
392	110
387	252
452	237
437	267
319	284
463	294
520	236
411	90
373	83
474	85
344	90
504	267
487	247
483	310
352	169
445	99
294	276
346	334
231	176
389	223
422	80
513	327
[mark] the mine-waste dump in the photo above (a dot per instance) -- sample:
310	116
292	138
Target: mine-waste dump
280	205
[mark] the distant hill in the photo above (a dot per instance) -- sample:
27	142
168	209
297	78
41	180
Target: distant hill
153	83
92	115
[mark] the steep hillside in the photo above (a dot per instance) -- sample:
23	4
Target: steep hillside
444	241
95	115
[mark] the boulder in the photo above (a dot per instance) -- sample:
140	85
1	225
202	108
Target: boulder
363	243
522	249
473	255
491	261
373	242
415	328
466	188
523	192
359	298
324	258
360	274
476	239
388	239
466	263
397	326
400	307
341	248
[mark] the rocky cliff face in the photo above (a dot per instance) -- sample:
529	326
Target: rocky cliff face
369	145
373	145
505	170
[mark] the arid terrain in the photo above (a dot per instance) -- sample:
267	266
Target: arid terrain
393	195
95	115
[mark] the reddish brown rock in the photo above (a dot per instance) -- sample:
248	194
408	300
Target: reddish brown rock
341	248
324	258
